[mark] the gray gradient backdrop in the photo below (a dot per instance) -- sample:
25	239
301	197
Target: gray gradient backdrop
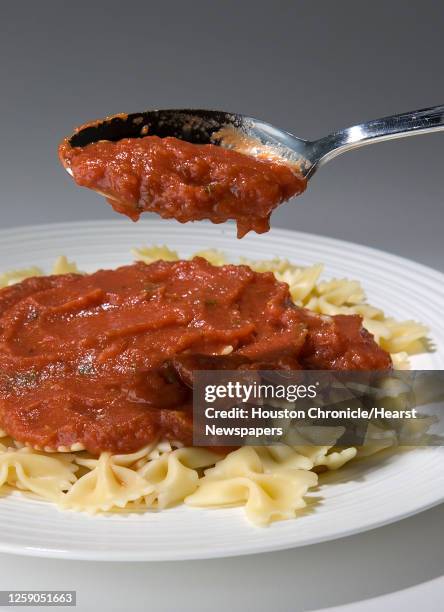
309	67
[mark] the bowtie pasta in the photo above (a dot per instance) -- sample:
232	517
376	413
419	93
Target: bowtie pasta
271	483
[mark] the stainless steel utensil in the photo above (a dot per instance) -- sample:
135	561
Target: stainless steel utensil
203	126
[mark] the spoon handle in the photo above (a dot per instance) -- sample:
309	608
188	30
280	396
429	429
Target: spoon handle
397	126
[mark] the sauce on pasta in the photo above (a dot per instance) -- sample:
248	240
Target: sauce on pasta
105	360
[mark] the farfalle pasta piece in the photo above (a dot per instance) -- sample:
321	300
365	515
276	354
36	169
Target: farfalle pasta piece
106	485
139	458
341	291
16	276
334	460
400	360
301	280
336	297
282	457
46	476
239	479
154	253
404	335
324	456
213	256
63	266
174	475
376	440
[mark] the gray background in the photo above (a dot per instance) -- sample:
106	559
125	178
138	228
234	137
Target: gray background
308	67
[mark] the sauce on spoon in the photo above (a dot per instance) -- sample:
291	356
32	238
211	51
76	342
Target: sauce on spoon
184	181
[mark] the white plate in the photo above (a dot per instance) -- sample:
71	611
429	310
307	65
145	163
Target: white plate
360	497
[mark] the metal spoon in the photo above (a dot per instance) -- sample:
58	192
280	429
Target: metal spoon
212	127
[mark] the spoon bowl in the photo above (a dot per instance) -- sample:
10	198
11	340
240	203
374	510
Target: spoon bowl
256	137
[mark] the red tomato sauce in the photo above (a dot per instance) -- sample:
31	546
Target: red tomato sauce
105	360
183	181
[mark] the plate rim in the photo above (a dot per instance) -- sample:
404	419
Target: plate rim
432	275
142	557
288	233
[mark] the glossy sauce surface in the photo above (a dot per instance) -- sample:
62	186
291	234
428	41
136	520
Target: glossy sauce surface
183	181
105	360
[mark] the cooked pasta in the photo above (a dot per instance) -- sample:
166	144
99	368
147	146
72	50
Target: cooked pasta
271	483
242	478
